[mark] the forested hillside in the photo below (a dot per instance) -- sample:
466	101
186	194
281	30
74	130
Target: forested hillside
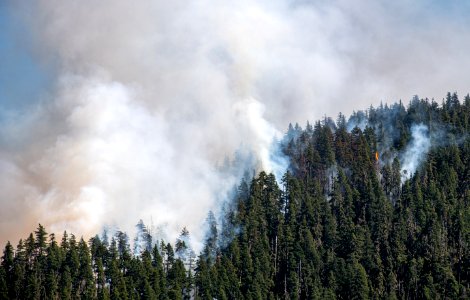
346	221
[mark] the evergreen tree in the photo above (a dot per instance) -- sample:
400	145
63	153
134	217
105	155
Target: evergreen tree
342	225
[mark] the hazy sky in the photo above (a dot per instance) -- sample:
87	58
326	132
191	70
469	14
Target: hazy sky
113	110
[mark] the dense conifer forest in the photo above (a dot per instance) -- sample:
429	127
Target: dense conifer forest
346	221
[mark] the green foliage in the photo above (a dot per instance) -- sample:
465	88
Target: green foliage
341	225
345	225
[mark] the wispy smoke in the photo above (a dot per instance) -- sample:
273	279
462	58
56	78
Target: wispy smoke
265	137
416	151
151	95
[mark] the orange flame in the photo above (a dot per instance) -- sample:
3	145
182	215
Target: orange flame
376	155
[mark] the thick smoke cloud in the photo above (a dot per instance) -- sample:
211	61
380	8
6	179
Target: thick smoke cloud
151	95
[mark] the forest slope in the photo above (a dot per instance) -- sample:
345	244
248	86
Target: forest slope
374	207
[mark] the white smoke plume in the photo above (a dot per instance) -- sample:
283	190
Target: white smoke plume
265	136
416	151
149	96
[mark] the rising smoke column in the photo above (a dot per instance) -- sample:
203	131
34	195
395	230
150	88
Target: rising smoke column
149	96
115	162
416	151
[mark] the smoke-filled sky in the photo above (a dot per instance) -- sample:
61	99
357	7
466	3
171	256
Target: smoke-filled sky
113	111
